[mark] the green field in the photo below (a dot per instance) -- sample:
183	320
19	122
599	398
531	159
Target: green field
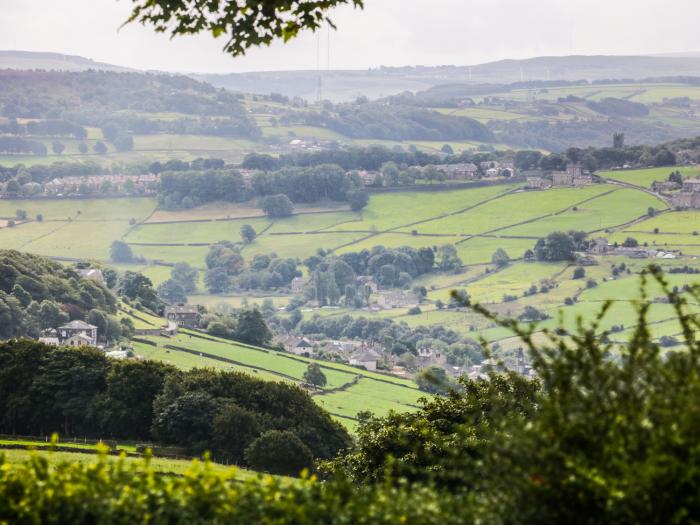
647	176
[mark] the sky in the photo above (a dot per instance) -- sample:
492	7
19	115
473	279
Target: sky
385	33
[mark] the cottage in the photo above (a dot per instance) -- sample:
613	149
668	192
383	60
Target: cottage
184	316
298	284
537	183
369	178
67	334
396	299
664	186
299	346
460	171
93	274
686	199
574	170
599	246
366	358
691	185
431	357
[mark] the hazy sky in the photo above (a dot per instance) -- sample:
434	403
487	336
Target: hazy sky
387	32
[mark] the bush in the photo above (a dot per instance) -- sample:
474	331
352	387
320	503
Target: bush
579	273
279	452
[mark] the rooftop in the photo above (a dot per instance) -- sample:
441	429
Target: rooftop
78	325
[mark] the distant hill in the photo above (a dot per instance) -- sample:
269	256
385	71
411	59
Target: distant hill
384	81
52	61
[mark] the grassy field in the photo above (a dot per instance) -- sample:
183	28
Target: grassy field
647	176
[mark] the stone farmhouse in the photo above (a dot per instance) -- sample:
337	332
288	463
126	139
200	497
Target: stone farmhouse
686	199
691	185
366	358
369	178
461	171
75	333
431	357
396	299
184	316
573	176
537	183
664	186
298	284
296	345
94	274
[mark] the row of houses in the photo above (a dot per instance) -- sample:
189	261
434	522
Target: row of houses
145	184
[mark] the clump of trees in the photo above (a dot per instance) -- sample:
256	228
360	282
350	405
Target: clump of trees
81	392
560	246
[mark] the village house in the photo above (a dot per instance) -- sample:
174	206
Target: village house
369	178
298	284
77	333
664	186
537	183
366	358
460	171
295	345
599	246
431	357
94	274
686	199
691	185
184	316
396	299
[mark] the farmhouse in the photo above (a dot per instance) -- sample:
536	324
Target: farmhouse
77	333
295	345
93	274
537	183
691	185
431	357
461	171
369	178
686	199
599	246
366	358
396	299
664	186
583	180
185	316
298	284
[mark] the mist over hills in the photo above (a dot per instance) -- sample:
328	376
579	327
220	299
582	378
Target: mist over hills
343	85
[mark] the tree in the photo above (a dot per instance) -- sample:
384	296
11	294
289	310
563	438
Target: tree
217	280
83	148
579	272
446	148
57	147
252	329
434	380
358	199
651	212
120	252
279	452
277	205
557	246
234	428
135	285
448	260
245	25
39	217
171	291
100	148
675	176
248	233
315	376
187	276
21	215
500	258
630	242
187	420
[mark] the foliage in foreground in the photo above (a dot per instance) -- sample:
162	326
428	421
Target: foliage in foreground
111	492
608	433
